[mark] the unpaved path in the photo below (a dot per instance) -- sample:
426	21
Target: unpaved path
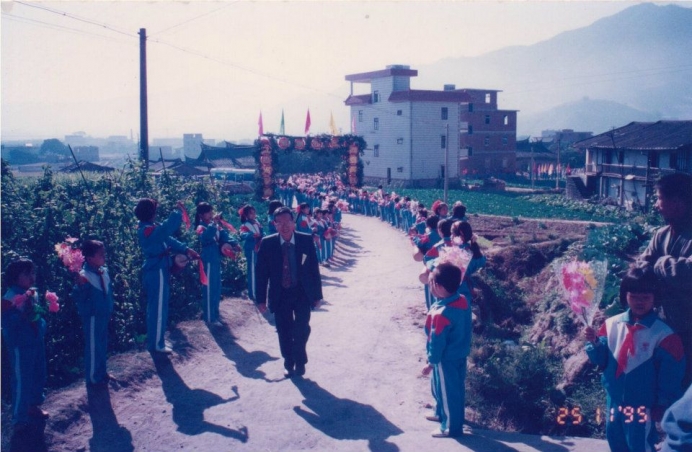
224	390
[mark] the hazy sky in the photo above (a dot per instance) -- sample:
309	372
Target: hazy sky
212	66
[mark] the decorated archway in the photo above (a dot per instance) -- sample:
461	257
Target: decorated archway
270	147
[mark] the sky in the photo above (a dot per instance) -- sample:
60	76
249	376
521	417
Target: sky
213	66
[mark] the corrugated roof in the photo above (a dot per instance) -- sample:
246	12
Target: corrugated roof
86	166
661	135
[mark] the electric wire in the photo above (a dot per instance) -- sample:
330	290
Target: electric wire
74	17
380	110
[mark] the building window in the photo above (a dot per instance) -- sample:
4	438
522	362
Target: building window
360	115
487	98
470	108
444	113
470	129
399	141
377	150
399	112
470	153
376	123
400	169
375	97
506	120
486	141
505	141
487	119
443	141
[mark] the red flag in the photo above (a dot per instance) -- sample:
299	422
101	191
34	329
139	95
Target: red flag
186	218
307	123
202	275
228	226
261	126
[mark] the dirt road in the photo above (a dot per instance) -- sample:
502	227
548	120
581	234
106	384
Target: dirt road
223	389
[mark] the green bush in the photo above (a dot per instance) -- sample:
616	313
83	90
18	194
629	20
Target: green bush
509	386
38	213
619	244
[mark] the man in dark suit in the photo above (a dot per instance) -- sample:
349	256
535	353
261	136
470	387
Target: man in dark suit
287	261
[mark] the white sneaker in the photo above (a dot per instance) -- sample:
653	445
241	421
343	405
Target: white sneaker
167	350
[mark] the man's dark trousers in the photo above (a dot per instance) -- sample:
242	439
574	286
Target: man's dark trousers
292	316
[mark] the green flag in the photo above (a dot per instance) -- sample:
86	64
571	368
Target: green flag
281	129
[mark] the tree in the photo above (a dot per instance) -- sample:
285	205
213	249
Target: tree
54	147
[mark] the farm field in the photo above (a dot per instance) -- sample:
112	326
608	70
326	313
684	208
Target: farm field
513	204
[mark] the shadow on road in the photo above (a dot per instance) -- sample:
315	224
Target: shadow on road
344	418
108	434
189	404
490	441
30	438
247	363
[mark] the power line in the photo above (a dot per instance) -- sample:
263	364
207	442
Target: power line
72	16
193	19
285	81
54	26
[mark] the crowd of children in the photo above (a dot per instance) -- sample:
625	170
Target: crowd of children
641	357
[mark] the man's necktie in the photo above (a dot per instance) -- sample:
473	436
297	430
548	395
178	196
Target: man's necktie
286	273
103	283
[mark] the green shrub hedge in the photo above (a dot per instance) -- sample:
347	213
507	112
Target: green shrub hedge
38	213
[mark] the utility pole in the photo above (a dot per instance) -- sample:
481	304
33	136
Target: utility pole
533	164
143	116
446	161
559	170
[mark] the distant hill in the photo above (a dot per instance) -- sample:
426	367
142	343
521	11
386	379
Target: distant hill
586	115
638	58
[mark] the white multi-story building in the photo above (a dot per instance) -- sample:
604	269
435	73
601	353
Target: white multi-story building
412	133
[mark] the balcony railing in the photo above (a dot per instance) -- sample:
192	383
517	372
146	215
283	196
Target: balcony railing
626	171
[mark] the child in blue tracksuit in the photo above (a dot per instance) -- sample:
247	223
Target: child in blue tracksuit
303	220
93	295
444	230
212	236
643	365
462	231
448	329
321	228
251	234
423	243
157	245
23	331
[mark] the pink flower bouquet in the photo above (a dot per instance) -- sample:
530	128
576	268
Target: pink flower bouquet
71	256
52	299
582	284
455	256
28	303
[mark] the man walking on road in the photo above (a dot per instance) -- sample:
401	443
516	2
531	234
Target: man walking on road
287	262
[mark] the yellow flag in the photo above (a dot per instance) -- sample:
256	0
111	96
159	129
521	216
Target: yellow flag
332	125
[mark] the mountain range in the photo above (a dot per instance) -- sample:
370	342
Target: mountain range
632	66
